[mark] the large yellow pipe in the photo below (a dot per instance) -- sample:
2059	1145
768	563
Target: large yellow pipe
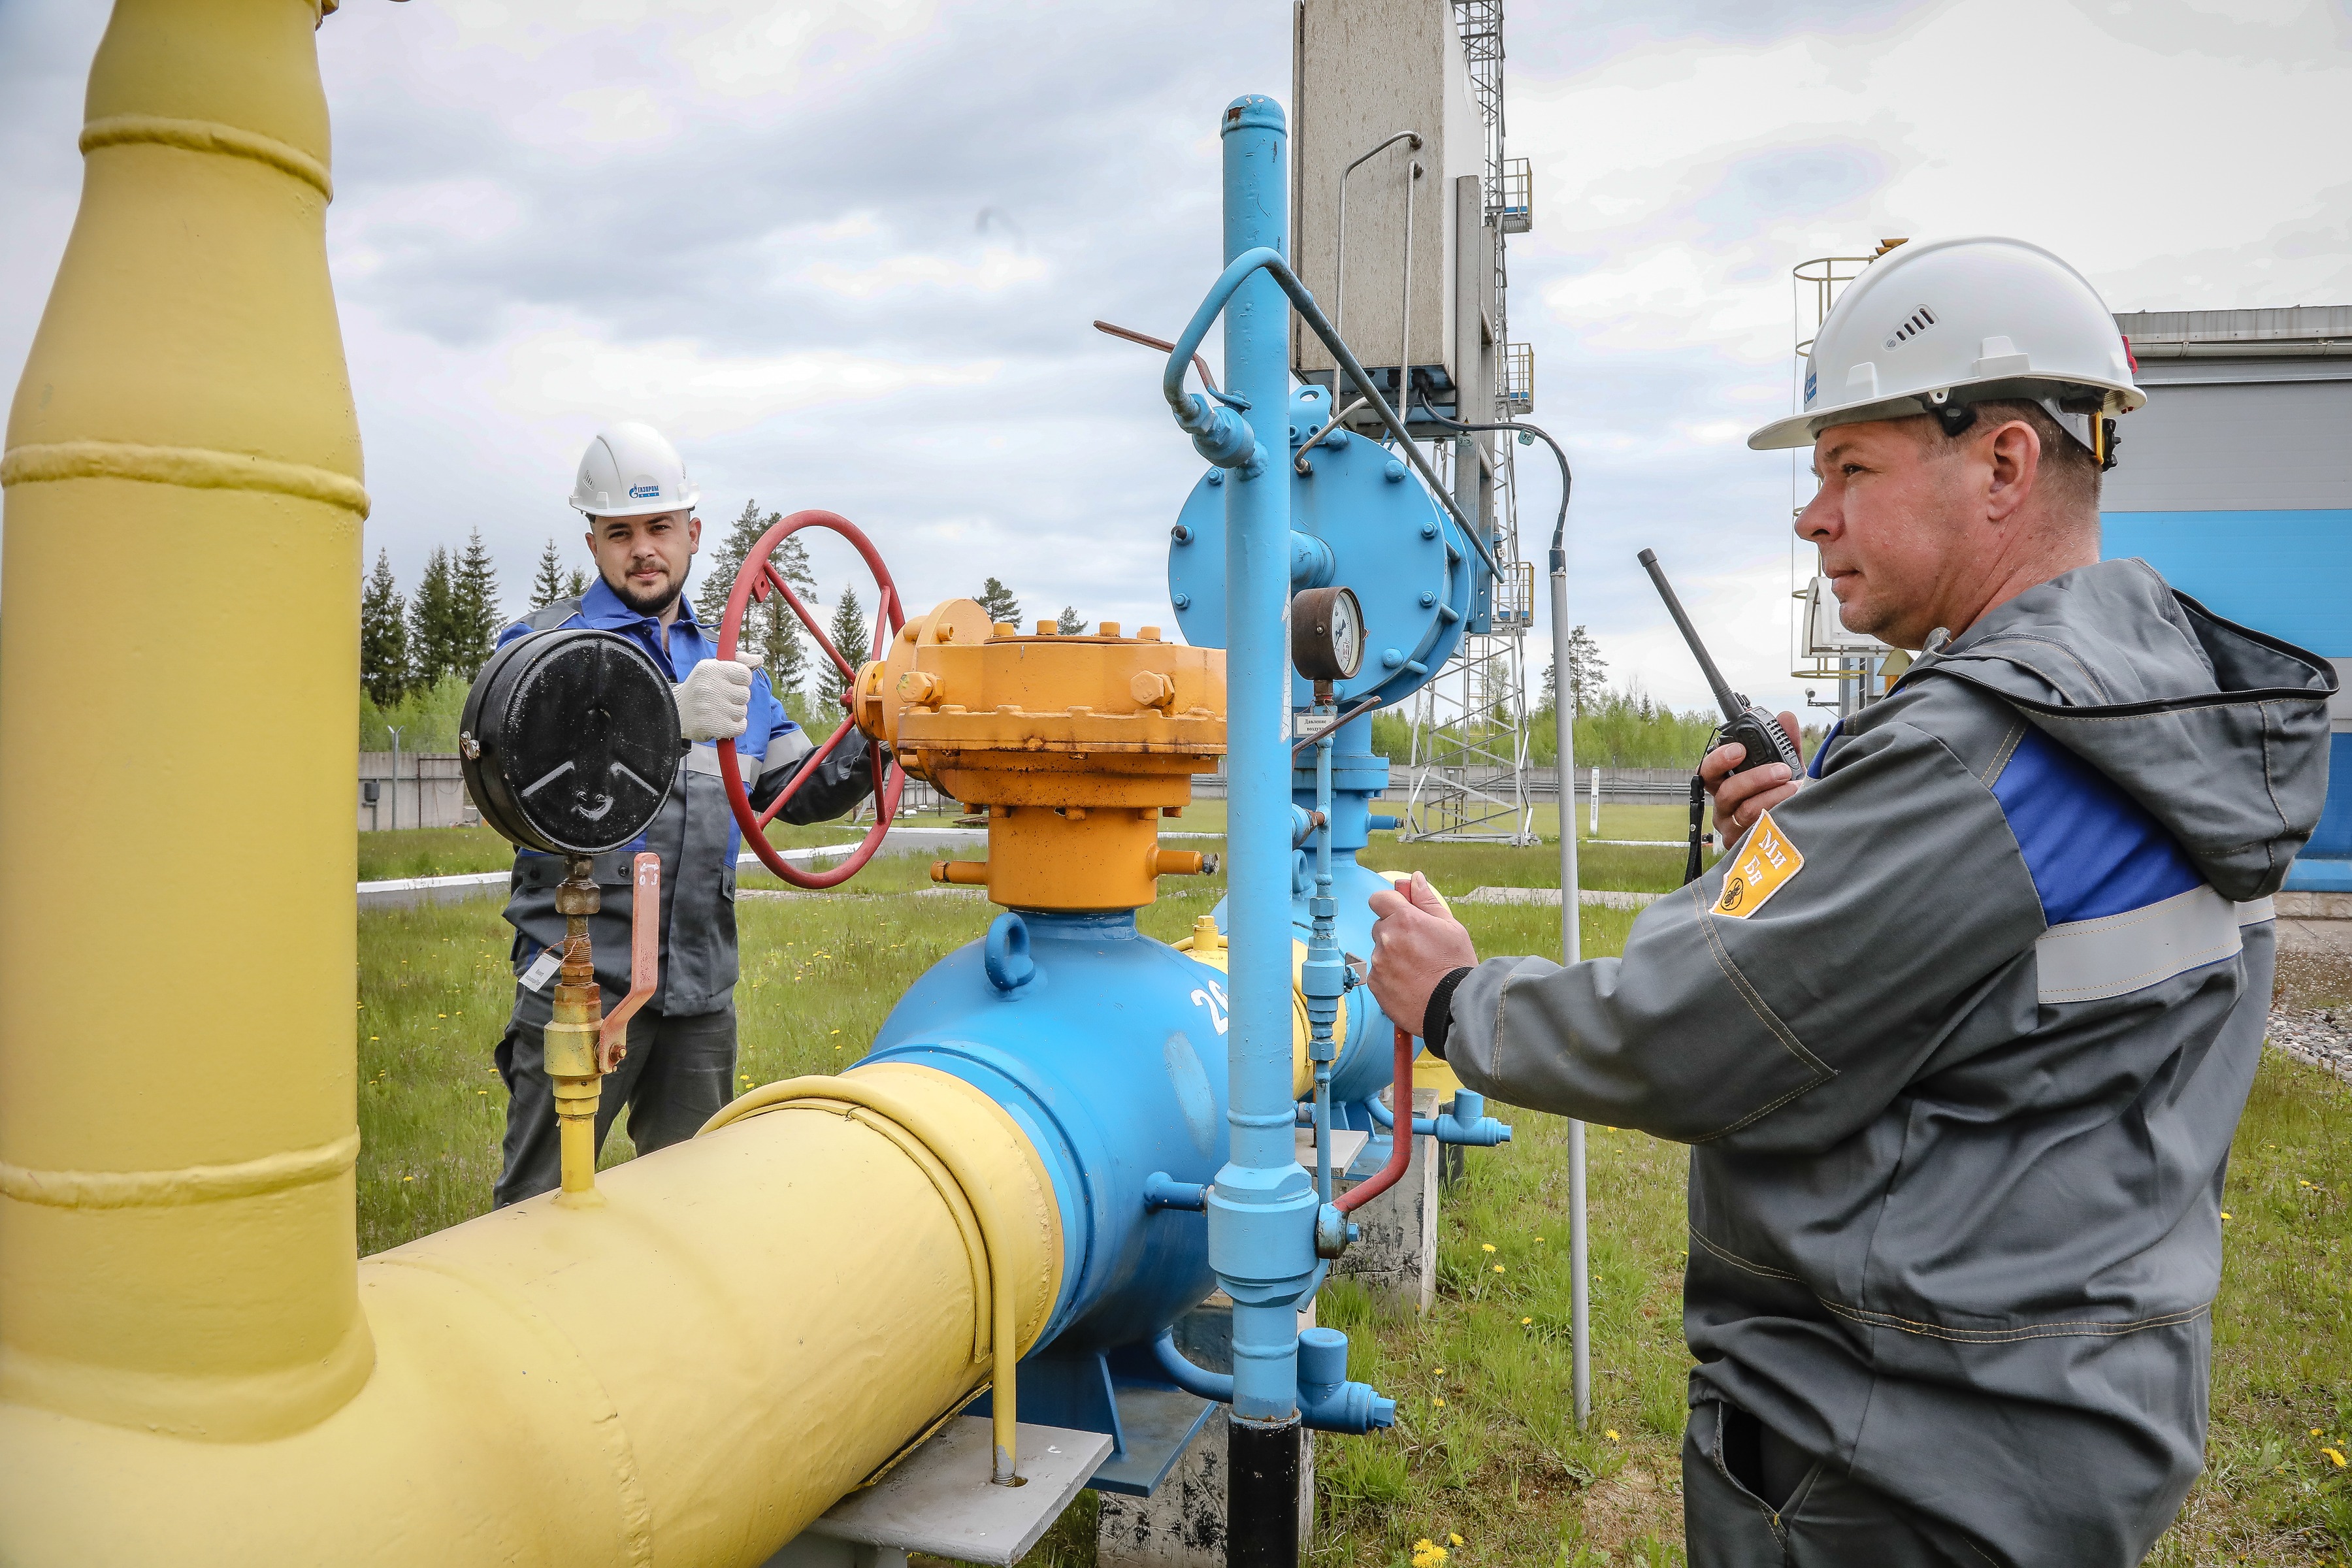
752	1323
193	1368
183	507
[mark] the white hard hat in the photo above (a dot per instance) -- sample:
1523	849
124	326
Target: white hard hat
1942	325
631	469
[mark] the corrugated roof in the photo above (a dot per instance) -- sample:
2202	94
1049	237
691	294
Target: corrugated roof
2291	331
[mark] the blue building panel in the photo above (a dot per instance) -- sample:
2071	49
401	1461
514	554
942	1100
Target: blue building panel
2285	572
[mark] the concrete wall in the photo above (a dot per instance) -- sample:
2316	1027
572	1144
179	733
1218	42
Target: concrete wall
428	793
1364	69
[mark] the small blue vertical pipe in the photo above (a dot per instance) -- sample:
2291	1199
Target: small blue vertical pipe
1262	1208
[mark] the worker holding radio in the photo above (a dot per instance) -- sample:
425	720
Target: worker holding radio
678	1071
1961	1028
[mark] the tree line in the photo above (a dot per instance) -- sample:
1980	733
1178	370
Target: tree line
447	628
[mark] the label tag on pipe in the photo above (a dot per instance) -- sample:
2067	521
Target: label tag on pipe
542	969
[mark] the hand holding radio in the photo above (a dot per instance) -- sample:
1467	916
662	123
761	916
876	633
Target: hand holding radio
1756	765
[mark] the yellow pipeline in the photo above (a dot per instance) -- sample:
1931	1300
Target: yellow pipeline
193	1367
176	1082
753	1322
1207	946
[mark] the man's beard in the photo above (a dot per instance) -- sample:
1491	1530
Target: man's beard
648	604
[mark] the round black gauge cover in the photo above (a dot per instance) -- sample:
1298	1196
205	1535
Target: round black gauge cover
1326	633
570	741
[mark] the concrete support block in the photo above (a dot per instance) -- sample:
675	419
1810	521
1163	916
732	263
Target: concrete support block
1182	1525
1396	1255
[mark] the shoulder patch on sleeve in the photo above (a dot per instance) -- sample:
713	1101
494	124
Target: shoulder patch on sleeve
1766	861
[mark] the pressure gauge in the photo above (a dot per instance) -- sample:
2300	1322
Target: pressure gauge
1326	633
570	741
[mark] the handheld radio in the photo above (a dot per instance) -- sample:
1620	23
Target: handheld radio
1743	722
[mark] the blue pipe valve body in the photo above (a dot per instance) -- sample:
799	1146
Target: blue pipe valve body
1327	1401
1461	1120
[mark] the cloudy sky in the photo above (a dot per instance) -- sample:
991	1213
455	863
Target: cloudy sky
848	252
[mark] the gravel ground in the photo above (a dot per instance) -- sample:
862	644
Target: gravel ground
2322	1038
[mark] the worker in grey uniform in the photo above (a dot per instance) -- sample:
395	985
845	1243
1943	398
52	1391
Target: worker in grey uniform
1961	1028
680	1065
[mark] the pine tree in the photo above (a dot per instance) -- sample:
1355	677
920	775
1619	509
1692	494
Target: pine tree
477	619
549	585
576	584
849	634
1069	623
1587	672
1586	668
770	626
383	637
433	641
998	601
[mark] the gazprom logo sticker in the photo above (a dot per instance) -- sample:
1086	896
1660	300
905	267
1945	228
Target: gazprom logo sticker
1812	383
648	493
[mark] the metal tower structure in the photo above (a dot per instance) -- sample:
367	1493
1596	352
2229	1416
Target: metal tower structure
1468	768
1820	648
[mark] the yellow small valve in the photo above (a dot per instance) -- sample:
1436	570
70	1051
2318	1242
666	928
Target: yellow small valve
581	1043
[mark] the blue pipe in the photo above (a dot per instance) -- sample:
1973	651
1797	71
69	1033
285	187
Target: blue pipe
1462	1119
1230	442
1328	1402
1261	1214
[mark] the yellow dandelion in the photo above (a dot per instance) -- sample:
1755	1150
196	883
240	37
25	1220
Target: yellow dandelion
445	1015
1485	1246
2227	1214
408	1178
481	1091
1437	1400
1438	1370
2315	1431
1524	1321
1498	1268
1540	1241
1611	1434
1427	1555
2333	1454
1455	1538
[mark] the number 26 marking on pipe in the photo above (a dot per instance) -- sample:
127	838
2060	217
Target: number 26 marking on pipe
1213	999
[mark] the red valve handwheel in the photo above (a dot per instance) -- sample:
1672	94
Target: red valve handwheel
754	582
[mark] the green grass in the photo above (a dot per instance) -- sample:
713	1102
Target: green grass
1500	1461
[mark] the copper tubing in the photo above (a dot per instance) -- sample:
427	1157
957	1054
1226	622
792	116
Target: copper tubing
1400	1135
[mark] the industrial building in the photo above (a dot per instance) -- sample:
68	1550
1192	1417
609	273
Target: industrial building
2235	482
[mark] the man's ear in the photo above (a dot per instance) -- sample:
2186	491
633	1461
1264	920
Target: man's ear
693	533
2015	451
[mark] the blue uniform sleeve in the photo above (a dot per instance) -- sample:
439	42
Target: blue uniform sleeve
766	720
520	629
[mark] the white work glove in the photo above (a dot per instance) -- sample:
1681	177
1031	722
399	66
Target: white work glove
714	700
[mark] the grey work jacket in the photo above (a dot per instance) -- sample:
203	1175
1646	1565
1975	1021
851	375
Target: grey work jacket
1959	1041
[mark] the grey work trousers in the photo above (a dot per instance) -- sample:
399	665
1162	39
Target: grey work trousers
1819	1517
677	1073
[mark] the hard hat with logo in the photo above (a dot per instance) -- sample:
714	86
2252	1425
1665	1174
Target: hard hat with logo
1934	328
631	469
